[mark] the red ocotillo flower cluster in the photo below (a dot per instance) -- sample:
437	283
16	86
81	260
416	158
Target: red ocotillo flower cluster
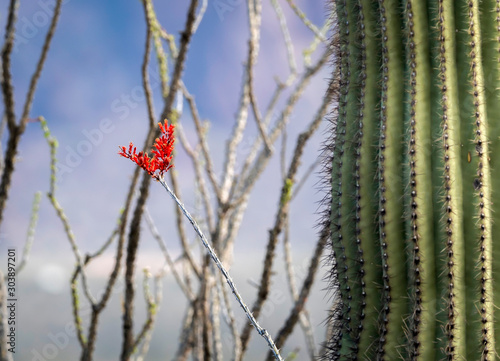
162	153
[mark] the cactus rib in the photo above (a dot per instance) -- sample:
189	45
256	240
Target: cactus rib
455	326
415	180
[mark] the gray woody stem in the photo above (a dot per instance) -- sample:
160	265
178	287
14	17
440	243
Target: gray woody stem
226	275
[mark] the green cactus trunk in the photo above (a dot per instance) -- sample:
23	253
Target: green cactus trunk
416	180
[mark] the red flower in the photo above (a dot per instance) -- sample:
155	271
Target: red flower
162	153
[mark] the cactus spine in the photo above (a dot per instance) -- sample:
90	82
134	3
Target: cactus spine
415	179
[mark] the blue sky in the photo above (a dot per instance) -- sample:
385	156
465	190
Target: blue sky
90	78
90	86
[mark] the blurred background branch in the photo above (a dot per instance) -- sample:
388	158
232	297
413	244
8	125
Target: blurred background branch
220	171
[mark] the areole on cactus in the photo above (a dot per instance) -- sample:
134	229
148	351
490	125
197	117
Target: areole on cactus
415	177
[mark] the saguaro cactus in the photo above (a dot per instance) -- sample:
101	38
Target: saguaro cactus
415	180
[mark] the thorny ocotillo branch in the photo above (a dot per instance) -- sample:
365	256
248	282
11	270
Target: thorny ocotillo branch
16	130
284	204
134	231
231	191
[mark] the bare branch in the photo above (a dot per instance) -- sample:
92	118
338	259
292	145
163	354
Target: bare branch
248	180
233	142
281	215
201	13
40	64
96	308
31	231
230	320
59	210
304	178
287	329
254	20
202	284
288	42
180	60
306	21
145	76
203	141
152	309
181	230
256	113
133	243
166	254
215	318
253	45
16	131
171	43
3	122
75	302
305	323
187	333
284	138
154	28
7	87
226	275
134	233
104	247
157	302
315	43
197	165
258	141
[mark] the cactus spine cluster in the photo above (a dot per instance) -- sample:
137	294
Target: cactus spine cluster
415	177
